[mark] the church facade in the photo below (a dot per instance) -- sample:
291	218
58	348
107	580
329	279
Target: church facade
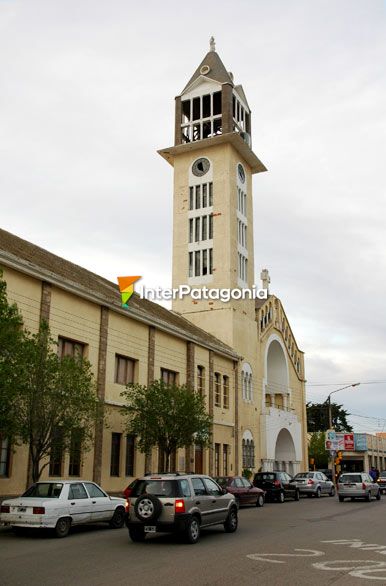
240	354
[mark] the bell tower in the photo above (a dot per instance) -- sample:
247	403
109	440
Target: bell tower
212	211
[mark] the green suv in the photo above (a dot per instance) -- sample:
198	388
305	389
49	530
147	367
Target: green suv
178	503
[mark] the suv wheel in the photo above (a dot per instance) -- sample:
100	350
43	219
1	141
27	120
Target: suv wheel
147	507
192	531
281	497
137	534
231	522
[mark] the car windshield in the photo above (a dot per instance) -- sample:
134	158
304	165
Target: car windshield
49	490
383	474
350	478
304	475
265	476
221	480
156	487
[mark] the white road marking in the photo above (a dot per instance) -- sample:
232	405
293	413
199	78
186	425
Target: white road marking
355	568
358	544
265	557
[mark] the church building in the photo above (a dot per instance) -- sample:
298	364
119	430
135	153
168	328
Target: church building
240	354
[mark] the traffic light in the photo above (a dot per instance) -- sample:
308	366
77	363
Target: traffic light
339	458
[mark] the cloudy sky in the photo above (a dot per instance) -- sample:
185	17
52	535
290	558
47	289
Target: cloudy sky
87	97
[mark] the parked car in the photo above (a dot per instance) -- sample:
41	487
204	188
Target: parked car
277	485
313	484
327	472
178	503
244	492
60	504
382	481
357	485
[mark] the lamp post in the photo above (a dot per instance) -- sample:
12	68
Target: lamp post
329	401
332	461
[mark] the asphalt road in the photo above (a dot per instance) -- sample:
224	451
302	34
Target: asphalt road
314	541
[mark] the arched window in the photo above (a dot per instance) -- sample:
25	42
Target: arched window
248	450
246	382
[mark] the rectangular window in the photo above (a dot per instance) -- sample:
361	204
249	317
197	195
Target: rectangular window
198	197
191	198
210	261
206	106
201	379
197	230
190	264
205	195
217	389
169	376
191	230
5	456
204	227
197	265
204	262
130	454
196	108
115	454
75	453
217	459
124	370
210	194
216	103
185	108
210	227
56	453
225	458
225	395
68	347
217	126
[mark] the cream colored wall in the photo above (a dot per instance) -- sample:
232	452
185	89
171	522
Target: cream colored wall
26	293
170	353
127	338
77	319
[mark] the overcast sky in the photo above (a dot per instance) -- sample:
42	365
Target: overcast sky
87	97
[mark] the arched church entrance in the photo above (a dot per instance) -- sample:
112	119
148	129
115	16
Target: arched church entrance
276	392
285	454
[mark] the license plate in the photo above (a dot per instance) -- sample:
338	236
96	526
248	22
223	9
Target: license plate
150	528
21	509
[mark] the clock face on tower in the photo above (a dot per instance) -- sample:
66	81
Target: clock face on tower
241	173
200	167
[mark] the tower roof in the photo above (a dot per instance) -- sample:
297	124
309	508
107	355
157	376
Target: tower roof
217	70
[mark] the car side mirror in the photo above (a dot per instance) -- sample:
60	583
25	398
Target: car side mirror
224	490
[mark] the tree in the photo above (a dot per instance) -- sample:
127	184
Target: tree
318	417
57	400
317	450
11	353
46	401
167	416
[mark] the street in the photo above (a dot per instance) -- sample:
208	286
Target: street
315	540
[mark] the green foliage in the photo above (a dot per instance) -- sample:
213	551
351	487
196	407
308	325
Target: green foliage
11	352
42	396
316	449
318	418
167	416
247	473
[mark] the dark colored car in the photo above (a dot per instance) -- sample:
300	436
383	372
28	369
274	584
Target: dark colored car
244	492
382	481
277	485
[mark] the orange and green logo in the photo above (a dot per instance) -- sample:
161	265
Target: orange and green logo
126	287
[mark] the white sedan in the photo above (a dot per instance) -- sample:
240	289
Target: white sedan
60	504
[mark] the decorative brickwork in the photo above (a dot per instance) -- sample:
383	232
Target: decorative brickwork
45	303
